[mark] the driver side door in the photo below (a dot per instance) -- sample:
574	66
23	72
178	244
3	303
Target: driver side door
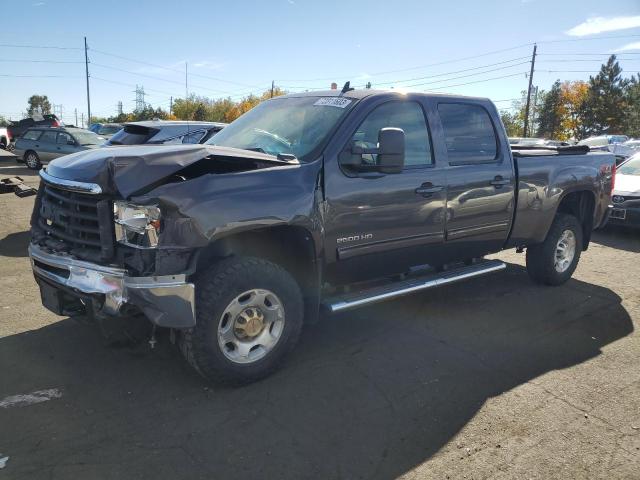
379	223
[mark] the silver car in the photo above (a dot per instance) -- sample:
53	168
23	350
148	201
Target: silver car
40	145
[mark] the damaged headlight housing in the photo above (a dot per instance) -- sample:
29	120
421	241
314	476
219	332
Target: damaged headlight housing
136	225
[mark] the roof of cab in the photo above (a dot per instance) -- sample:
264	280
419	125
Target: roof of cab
363	93
173	123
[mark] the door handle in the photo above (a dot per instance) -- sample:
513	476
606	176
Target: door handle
498	182
427	189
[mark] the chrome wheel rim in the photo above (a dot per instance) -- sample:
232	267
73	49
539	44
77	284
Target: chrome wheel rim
32	160
251	326
565	251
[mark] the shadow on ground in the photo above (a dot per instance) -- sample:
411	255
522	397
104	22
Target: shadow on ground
369	394
15	244
619	237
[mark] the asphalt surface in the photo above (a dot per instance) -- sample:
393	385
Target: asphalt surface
493	378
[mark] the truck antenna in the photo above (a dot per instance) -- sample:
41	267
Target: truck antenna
346	88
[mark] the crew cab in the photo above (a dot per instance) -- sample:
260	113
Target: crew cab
308	203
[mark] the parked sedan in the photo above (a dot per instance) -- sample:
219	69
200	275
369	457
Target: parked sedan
165	132
626	194
40	145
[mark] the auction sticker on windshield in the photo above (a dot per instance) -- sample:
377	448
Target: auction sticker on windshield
332	102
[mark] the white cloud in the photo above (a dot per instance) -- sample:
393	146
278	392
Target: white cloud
629	46
595	25
208	65
39	4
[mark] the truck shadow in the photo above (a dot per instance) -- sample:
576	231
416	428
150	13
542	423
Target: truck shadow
367	394
15	244
618	237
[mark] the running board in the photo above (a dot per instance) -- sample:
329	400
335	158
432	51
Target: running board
405	287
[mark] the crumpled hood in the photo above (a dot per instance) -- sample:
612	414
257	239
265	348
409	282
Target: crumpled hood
127	170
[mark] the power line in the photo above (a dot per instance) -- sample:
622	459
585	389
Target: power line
593	54
174	69
462	76
478	81
37	61
37	76
38	46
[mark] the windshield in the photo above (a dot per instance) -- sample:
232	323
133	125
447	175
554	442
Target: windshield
87	138
289	125
631	166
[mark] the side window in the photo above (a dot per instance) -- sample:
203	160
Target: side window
405	115
193	137
48	137
64	138
32	134
468	132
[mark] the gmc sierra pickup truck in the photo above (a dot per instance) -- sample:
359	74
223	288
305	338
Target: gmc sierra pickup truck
307	203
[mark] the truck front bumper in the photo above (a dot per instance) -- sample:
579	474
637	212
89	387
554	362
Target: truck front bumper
68	285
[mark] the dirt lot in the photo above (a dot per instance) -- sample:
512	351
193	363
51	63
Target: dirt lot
494	378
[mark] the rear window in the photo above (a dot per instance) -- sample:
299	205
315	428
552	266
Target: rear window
32	134
469	133
132	135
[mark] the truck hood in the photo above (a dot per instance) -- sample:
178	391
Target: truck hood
128	170
627	184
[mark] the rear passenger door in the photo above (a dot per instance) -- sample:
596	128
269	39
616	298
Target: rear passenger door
63	147
46	147
480	180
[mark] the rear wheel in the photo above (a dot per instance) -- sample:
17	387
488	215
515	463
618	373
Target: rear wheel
32	160
249	316
554	261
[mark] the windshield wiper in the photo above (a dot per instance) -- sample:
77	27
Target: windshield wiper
255	149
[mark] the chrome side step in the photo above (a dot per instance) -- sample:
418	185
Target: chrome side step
405	287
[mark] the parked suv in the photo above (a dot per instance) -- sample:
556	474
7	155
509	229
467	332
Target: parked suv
39	145
17	129
165	132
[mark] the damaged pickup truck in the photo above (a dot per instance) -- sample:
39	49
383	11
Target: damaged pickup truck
307	203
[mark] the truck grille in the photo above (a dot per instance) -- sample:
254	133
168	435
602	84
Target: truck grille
77	223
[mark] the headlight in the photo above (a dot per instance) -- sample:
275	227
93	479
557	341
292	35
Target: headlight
136	225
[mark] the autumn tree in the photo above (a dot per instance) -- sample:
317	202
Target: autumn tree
38	104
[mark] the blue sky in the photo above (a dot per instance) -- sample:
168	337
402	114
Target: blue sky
233	48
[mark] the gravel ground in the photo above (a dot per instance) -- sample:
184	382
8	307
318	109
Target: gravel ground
493	378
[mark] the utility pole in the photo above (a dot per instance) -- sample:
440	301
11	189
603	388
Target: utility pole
119	107
526	110
75	110
186	81
272	86
82	120
534	107
86	68
170	105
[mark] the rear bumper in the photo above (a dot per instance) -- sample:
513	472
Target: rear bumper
168	301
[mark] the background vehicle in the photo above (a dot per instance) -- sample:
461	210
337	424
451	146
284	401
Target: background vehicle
107	130
165	132
40	145
626	194
324	199
17	129
5	138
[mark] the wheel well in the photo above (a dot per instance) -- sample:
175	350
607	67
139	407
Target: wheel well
290	247
581	205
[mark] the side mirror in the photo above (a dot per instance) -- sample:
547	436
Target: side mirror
391	150
389	153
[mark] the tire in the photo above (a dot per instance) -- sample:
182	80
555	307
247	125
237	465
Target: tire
552	262
32	160
223	290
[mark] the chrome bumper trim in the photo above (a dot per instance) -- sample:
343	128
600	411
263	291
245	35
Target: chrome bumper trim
82	187
167	300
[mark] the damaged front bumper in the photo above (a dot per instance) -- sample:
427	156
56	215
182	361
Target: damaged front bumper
68	286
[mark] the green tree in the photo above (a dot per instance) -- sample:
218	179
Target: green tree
38	104
512	123
605	107
632	114
549	114
3	121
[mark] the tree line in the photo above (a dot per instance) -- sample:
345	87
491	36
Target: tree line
607	103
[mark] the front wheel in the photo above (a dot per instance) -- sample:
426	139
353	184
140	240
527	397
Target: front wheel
554	261
32	160
249	315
